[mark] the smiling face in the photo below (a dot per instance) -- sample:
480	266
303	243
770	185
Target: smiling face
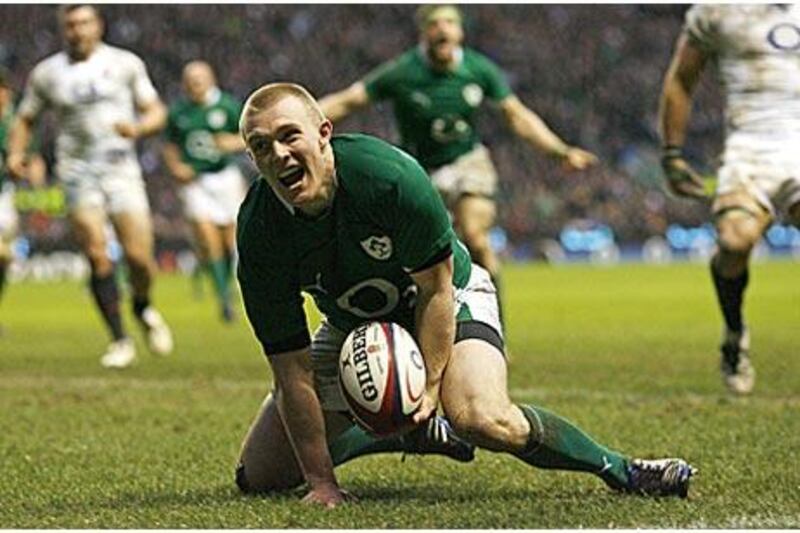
290	144
442	34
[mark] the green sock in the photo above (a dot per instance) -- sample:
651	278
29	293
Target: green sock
218	269
355	442
556	443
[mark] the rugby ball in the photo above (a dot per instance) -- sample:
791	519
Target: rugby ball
382	377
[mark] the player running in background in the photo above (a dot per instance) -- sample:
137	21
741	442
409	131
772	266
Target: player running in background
35	174
202	135
96	91
757	50
436	88
355	223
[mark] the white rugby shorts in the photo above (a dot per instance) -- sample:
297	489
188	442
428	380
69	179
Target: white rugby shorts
214	196
471	173
115	187
771	177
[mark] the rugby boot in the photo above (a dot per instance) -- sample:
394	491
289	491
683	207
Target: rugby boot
159	336
437	437
737	371
657	477
119	354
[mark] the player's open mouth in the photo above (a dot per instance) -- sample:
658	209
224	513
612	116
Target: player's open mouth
292	176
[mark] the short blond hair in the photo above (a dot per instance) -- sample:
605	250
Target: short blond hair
268	95
427	13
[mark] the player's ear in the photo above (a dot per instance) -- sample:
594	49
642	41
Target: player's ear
325	132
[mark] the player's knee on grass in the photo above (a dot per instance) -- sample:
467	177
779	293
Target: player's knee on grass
249	483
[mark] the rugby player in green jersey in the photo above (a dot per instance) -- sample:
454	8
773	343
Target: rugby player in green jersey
202	135
34	172
355	223
436	90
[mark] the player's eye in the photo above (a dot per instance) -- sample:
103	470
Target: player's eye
258	145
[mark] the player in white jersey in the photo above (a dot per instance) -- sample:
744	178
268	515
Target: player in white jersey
103	100
757	51
35	173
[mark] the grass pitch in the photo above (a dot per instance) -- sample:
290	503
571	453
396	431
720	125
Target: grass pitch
629	353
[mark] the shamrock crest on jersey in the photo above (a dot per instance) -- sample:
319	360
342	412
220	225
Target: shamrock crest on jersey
378	247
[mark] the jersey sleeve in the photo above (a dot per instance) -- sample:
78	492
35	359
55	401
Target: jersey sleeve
701	25
271	294
496	86
34	99
380	81
423	234
144	92
172	133
234	108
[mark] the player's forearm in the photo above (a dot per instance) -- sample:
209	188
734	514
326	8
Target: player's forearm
302	416
338	106
528	126
152	119
172	158
229	143
436	329
675	110
19	137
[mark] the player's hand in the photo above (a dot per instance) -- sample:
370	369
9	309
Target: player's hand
16	164
328	496
183	173
128	130
578	159
682	179
426	409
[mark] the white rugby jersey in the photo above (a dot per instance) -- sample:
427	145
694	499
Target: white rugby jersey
89	97
757	51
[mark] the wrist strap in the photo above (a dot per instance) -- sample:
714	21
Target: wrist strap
672	151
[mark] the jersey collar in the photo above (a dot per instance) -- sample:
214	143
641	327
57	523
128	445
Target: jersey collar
212	96
422	49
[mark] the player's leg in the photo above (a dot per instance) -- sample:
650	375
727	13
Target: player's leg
89	226
740	222
135	233
793	214
8	232
475	398
211	250
473	217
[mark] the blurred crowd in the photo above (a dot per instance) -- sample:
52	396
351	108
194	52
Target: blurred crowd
592	72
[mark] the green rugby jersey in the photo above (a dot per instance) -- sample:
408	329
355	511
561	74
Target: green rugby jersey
192	127
386	221
5	126
435	111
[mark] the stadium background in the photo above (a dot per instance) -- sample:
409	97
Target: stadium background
592	72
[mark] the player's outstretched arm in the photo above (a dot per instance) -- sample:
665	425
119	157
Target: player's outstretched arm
301	413
337	106
229	143
152	119
436	328
675	109
530	127
19	137
182	172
